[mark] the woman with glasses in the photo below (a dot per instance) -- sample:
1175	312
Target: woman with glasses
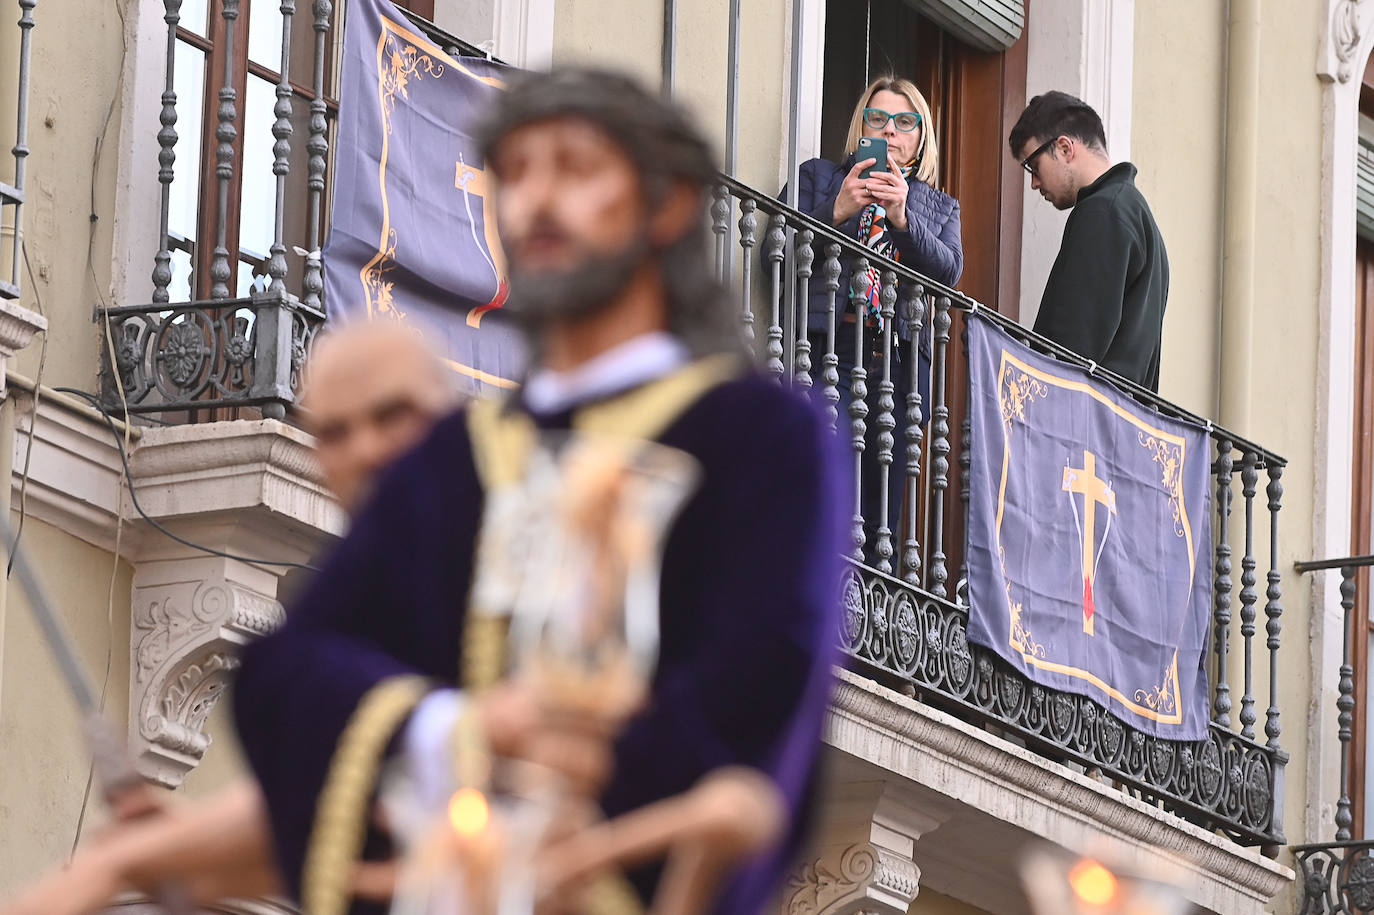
896	212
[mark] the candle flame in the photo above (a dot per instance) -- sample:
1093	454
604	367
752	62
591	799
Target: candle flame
1092	883
468	812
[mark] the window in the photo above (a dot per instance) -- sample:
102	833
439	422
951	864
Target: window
249	206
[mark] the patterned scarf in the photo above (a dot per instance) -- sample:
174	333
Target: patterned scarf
874	235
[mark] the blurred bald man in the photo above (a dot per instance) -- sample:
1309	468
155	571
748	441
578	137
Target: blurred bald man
371	392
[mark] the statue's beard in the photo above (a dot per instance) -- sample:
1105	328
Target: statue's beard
538	297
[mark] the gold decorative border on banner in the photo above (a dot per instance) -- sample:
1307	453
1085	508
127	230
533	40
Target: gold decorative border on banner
400	60
1020	384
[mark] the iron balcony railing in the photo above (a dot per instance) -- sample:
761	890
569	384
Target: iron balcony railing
1337	878
905	607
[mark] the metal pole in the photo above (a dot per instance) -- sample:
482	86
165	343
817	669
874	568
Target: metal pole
669	45
793	146
732	125
732	95
794	103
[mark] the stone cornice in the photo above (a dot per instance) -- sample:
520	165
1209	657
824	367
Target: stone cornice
975	768
264	467
195	469
74	471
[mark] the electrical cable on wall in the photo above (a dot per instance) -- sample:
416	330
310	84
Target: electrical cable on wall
133	497
33	421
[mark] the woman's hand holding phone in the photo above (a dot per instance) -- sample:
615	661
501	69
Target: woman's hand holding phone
889	188
854	193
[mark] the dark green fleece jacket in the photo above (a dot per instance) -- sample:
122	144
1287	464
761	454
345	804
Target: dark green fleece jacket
1106	293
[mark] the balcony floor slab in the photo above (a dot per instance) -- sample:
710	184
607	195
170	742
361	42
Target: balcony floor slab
1005	797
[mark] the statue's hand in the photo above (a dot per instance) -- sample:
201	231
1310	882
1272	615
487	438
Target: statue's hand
87	884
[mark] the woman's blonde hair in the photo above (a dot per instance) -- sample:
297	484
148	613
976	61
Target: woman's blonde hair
930	149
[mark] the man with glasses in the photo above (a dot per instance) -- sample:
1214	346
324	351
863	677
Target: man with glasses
1106	293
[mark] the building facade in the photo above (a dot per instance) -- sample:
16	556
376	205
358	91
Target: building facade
171	186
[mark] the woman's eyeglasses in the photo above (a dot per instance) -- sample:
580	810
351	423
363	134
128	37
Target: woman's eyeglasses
905	121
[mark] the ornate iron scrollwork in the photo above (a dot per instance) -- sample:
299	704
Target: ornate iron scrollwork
205	354
895	630
1335	878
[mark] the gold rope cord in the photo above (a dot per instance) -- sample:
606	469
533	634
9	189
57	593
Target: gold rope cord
341	813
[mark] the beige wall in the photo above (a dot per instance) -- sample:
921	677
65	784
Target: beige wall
1179	143
44	758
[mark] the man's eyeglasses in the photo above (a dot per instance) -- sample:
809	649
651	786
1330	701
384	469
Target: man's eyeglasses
905	121
1028	163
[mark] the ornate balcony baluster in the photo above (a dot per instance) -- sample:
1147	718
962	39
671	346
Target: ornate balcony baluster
806	256
720	226
830	362
1345	704
939	446
1249	476
858	402
318	147
166	158
965	495
886	422
1221	704
915	435
281	152
775	249
1272	608
748	229
221	271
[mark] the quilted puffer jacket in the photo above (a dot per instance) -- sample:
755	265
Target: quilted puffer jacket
930	244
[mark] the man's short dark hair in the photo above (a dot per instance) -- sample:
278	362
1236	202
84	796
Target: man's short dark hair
1057	114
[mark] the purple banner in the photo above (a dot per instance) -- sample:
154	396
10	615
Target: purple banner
412	234
1089	546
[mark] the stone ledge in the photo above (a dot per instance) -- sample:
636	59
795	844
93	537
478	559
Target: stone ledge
17	328
1023	795
74	473
263	467
196	469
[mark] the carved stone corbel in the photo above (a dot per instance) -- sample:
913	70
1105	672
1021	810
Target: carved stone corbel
1347	23
186	638
861	878
867	838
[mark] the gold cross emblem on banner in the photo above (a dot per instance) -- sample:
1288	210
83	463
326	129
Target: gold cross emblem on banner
1085	482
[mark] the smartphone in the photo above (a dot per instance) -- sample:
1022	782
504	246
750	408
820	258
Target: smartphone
873	148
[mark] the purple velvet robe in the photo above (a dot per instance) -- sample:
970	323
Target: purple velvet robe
748	620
